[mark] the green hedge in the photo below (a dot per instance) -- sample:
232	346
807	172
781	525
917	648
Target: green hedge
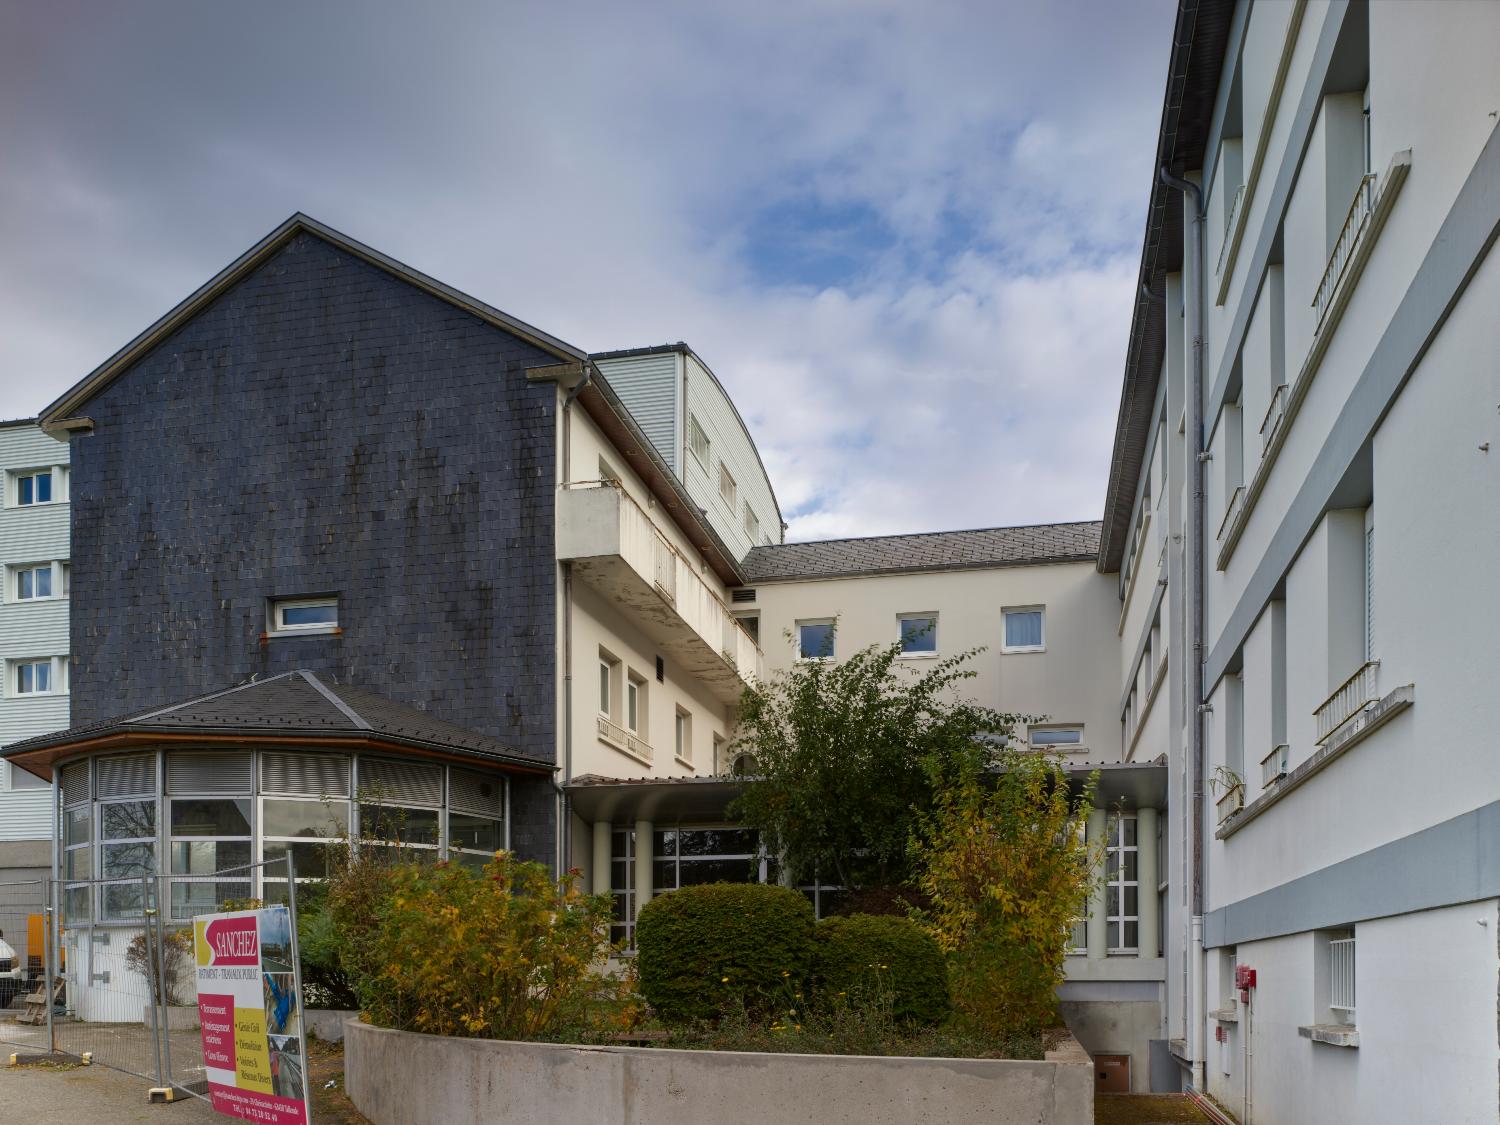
706	948
862	952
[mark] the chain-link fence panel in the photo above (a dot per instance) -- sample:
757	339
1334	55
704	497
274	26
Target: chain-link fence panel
24	995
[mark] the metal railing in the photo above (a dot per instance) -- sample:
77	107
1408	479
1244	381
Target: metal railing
1230	803
1272	421
665	575
1348	700
1230	222
1231	510
620	738
1343	248
1341	976
1273	766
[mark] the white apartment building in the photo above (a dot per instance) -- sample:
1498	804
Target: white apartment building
33	633
1322	344
1033	600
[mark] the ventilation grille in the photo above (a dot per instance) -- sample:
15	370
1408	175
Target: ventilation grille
305	775
126	775
400	783
743	594
75	783
482	794
196	772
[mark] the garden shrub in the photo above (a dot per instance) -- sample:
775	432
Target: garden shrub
866	953
721	946
503	954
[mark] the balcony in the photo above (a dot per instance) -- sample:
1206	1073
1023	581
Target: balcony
616	548
1273	767
1271	423
621	739
1231	511
1351	698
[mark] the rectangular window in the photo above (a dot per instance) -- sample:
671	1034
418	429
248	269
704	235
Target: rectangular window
684	737
1060	739
33	581
698	440
1024	630
1370	583
727	488
635	703
815	639
304	615
750	622
752	524
918	633
622	886
34	487
208	835
127	851
1122	885
35	677
687	857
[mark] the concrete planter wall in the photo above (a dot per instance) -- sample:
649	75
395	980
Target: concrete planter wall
180	1017
326	1023
402	1078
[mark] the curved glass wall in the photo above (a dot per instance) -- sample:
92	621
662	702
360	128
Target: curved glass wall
201	818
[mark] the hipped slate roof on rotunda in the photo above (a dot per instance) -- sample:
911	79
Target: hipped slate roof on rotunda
297	706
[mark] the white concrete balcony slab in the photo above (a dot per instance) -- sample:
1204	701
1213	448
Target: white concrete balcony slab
615	547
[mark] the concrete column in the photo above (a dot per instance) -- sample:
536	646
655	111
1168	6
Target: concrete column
1098	930
1146	872
599	877
643	849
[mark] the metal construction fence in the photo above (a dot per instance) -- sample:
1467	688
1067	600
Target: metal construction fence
109	971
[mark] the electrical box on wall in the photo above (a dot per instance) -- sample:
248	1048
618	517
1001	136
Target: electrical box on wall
1244	977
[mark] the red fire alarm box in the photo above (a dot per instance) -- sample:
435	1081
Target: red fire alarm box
1219	1036
1244	977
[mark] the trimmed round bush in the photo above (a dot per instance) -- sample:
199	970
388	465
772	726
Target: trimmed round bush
859	953
703	949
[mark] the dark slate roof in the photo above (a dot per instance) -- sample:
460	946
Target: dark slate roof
297	705
932	550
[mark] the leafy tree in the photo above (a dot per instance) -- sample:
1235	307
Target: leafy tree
848	755
1005	869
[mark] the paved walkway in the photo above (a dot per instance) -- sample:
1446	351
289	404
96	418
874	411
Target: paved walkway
89	1093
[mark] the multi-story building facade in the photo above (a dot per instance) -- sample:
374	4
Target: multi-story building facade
34	567
1315	337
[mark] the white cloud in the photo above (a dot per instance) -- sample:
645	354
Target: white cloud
605	171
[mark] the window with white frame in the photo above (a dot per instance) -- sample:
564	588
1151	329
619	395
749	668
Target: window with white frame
727	488
815	639
918	633
38	581
1341	975
31	487
609	685
39	676
1024	629
76	861
698	440
622	886
635	703
305	615
1122	885
126	788
684	736
752	523
1056	740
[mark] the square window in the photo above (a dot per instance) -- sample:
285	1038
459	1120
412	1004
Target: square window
34	581
305	615
33	677
815	640
918	634
1024	630
34	488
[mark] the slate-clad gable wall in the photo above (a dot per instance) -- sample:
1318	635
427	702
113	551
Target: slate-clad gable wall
324	426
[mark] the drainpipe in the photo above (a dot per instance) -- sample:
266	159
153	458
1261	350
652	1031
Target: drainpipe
565	803
1195	576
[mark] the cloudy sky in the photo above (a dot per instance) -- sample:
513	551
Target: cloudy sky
903	234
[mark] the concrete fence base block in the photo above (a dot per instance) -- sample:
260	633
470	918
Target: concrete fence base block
402	1078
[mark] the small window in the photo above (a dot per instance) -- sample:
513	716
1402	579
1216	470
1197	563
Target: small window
33	581
635	703
752	524
698	440
611	685
40	676
727	488
305	615
1024	630
918	633
604	676
1062	739
34	487
684	737
815	639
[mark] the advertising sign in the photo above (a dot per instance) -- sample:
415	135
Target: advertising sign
251	1015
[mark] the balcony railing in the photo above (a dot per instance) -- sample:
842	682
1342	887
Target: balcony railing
1272	421
1341	976
1230	221
1231	510
621	739
666	569
1231	802
1343	249
1351	697
1273	767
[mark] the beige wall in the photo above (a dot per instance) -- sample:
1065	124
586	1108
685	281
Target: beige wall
1074	681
